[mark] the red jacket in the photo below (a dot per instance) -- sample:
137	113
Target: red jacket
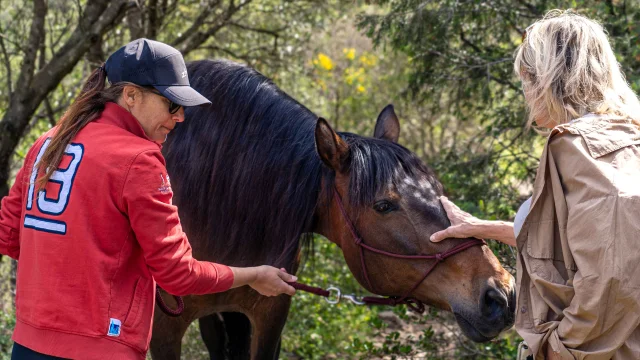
93	244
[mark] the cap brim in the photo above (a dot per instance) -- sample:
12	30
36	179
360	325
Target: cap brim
183	95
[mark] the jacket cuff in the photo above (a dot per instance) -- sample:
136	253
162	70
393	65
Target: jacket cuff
222	278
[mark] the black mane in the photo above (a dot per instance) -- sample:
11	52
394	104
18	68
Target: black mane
245	170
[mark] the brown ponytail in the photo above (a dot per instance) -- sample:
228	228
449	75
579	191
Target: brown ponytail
85	108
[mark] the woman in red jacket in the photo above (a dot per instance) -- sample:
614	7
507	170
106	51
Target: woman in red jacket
91	221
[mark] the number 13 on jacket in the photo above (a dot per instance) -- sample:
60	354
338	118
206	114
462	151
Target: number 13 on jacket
49	203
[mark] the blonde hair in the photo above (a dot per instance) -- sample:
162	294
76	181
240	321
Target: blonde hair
568	70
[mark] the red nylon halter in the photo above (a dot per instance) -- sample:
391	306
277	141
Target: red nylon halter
412	303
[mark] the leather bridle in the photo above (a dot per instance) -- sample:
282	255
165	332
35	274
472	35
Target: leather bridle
413	303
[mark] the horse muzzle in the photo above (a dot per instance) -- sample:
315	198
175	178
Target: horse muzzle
495	313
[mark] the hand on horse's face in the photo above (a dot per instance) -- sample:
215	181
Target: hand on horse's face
270	281
463	224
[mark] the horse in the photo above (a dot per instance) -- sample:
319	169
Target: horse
256	174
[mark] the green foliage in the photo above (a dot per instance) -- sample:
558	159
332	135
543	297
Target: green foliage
461	65
315	328
7	314
7	323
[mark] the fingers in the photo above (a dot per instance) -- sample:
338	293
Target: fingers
289	290
281	283
448	206
449	232
282	286
439	236
455	231
273	281
287	277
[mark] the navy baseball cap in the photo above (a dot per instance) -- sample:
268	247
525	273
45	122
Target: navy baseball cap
147	62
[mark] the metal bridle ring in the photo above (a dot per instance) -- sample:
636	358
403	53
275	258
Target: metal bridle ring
337	292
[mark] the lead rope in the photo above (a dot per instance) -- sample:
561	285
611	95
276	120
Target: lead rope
165	308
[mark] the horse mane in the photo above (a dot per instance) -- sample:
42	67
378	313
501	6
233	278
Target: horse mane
246	174
246	171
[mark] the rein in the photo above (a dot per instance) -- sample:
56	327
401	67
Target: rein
165	308
411	302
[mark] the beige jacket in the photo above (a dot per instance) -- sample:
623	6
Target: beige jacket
578	266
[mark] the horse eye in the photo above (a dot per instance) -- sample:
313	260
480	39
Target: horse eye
383	206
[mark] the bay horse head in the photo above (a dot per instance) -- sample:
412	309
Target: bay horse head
378	193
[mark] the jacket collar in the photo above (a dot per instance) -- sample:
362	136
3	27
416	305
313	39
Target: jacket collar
114	114
602	134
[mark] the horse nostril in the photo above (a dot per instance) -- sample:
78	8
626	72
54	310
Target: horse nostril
512	300
494	304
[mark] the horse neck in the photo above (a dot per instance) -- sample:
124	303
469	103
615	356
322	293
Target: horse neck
326	224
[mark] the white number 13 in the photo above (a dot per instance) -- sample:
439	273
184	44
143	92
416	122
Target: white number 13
50	205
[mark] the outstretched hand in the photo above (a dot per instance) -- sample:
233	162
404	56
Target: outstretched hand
463	224
272	282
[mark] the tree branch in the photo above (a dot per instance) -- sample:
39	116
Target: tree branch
244	56
7	65
469	43
36	36
15	44
135	22
197	24
96	18
153	22
274	33
531	8
192	42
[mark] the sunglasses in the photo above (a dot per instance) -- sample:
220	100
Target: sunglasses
173	107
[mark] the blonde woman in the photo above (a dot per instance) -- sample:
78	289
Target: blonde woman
578	265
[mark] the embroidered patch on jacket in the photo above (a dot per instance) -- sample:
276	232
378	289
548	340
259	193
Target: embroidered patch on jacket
165	185
114	327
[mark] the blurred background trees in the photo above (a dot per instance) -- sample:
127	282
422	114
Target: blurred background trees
446	65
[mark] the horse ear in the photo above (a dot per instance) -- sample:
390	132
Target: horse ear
387	125
333	151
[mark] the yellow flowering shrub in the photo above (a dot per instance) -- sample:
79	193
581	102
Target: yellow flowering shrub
349	53
323	61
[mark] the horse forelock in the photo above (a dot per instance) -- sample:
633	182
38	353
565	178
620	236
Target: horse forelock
376	163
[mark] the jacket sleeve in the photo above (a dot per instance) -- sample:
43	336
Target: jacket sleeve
147	201
602	232
10	216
